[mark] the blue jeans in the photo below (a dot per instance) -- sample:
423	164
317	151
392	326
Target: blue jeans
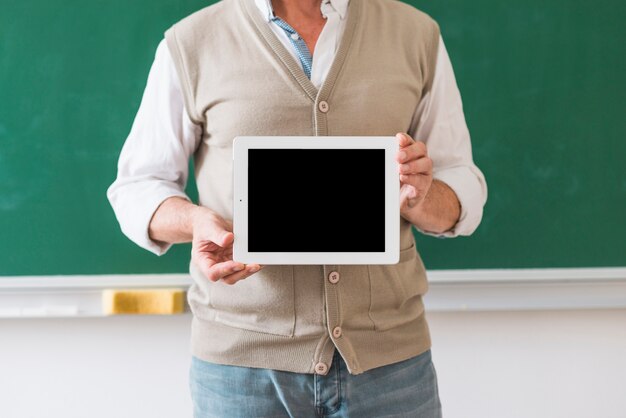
404	389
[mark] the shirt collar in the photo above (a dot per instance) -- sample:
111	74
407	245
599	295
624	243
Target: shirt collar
339	6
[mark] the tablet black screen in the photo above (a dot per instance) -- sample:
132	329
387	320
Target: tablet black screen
337	205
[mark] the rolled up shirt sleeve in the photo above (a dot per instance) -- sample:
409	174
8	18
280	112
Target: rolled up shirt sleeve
154	162
439	122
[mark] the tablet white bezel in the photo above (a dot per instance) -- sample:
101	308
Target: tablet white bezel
241	144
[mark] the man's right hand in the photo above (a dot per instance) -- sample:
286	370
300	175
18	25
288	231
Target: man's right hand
212	248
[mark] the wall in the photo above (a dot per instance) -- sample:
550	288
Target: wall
533	364
538	364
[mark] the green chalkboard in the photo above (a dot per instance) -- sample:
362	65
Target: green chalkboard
544	93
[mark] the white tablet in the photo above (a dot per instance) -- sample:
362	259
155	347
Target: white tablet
316	200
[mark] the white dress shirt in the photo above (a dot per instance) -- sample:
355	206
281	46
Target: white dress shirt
335	12
154	160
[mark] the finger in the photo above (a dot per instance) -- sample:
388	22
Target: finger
224	238
404	139
412	152
412	202
411	196
422	165
214	238
407	192
219	270
418	181
235	277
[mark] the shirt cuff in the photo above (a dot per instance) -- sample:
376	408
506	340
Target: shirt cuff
471	191
134	205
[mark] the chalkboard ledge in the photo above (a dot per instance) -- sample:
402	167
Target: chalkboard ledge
450	291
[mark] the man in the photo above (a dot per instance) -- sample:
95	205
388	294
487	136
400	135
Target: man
300	341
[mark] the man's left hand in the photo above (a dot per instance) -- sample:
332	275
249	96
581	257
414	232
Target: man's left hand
416	171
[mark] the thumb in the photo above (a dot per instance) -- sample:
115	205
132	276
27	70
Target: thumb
207	225
213	229
221	236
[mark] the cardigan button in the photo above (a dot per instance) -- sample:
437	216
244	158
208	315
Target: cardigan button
337	332
333	277
321	368
323	106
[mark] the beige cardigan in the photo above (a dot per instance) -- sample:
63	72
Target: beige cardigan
238	79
